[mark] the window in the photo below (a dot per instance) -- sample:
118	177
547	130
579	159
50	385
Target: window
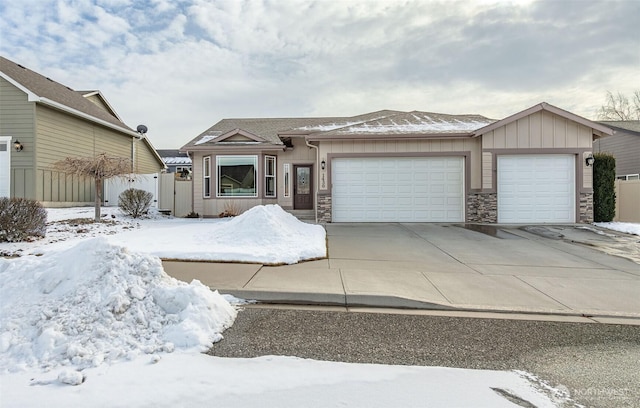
287	188
206	172
270	176
237	176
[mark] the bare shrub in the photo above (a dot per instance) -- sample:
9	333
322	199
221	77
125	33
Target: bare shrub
231	209
21	219
135	202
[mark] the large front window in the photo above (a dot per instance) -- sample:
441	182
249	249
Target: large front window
237	176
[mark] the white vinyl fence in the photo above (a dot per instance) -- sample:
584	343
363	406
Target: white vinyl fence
116	185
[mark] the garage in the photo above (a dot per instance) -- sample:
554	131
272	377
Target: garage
398	189
536	189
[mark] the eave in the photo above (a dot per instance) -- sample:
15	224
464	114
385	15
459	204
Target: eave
389	136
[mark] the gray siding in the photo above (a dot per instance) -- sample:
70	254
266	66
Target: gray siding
625	148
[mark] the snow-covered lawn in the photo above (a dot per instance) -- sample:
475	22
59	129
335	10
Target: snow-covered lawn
88	317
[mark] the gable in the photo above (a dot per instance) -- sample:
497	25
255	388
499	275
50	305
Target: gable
540	129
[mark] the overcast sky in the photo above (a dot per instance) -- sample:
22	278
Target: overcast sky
179	66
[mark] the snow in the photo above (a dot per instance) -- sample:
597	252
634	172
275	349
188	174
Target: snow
626	227
177	160
263	234
98	302
93	320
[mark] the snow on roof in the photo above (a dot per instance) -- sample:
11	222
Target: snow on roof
208	136
419	122
177	160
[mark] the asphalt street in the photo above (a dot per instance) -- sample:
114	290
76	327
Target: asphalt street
597	363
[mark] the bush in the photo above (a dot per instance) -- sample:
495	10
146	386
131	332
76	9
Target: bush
135	202
21	219
604	195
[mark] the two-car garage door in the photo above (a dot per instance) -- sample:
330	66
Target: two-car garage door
398	189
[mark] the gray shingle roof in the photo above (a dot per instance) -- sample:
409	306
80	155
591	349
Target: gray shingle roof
633	125
47	88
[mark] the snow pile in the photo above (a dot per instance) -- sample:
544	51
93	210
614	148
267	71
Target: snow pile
268	234
97	302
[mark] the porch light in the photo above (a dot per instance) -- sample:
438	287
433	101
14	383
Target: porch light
18	146
323	164
590	160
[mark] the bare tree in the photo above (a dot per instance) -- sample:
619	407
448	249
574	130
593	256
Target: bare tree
99	168
619	107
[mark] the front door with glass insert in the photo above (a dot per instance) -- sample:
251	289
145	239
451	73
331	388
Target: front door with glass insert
303	188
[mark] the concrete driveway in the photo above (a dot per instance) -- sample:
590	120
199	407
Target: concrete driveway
441	266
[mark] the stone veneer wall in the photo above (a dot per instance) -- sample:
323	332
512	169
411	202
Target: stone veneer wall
324	209
482	207
586	208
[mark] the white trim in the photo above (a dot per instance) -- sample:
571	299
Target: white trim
273	176
286	178
206	164
31	97
256	180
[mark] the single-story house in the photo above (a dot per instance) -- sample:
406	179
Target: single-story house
43	121
624	145
177	162
392	166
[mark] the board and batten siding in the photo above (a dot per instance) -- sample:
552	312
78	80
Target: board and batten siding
61	135
541	131
17	120
421	147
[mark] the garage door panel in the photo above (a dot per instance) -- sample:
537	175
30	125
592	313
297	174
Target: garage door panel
398	189
536	188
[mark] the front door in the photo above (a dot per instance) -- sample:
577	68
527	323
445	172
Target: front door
303	188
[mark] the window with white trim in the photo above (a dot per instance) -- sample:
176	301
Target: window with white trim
269	176
237	176
287	183
206	173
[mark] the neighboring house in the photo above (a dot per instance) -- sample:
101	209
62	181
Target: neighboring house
391	166
176	161
624	145
43	121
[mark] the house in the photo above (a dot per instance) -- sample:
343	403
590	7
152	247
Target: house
624	145
43	121
176	161
392	166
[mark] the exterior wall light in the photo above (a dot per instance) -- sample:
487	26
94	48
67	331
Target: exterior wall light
323	164
18	146
589	160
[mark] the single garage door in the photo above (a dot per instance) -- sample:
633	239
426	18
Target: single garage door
398	189
536	189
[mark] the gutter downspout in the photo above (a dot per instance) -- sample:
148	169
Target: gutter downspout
315	196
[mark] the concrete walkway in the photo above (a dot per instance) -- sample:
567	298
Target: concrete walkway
443	267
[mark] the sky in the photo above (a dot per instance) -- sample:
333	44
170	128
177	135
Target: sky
180	66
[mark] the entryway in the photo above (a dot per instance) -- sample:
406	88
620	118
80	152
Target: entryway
303	187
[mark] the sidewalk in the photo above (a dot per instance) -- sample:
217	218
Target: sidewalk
440	267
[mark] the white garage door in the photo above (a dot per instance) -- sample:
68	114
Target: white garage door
5	166
398	189
536	189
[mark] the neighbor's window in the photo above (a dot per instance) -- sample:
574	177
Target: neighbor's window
286	180
270	176
237	176
206	172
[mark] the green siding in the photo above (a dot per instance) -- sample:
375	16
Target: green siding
17	120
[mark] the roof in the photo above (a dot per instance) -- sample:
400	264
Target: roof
47	91
174	156
624	125
413	123
270	131
598	128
